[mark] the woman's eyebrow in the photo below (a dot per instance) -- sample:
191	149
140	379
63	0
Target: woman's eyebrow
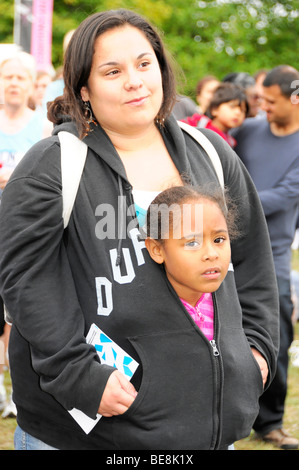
113	63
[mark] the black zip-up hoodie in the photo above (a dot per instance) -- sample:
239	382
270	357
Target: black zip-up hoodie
53	283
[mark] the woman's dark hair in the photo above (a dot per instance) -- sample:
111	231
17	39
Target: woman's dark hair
223	94
163	207
78	61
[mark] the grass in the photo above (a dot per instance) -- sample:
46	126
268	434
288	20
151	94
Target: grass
7	426
291	418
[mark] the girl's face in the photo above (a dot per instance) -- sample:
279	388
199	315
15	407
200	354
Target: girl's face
229	115
198	260
125	82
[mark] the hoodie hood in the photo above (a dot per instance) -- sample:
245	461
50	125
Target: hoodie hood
99	142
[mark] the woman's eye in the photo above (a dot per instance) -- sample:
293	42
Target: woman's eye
112	72
144	64
219	240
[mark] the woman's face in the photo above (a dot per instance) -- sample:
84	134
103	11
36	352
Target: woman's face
125	82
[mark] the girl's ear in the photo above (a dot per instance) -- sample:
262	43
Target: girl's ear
155	250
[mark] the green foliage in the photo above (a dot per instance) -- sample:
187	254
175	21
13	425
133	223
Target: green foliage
6	21
204	37
218	37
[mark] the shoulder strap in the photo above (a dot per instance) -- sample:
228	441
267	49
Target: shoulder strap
207	146
73	156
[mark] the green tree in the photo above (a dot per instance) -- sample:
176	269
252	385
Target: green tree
222	36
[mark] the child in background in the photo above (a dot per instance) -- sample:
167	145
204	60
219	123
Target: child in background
227	110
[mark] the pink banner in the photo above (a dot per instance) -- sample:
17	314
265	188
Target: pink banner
41	33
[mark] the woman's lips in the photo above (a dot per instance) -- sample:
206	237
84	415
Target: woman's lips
137	101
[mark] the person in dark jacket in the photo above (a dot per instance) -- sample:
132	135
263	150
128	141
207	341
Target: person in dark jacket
57	282
269	148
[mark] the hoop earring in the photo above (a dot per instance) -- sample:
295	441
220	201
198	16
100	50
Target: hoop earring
88	112
160	121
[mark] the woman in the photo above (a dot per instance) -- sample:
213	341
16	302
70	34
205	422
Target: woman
56	283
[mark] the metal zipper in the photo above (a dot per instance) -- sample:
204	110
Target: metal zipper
214	347
218	376
218	373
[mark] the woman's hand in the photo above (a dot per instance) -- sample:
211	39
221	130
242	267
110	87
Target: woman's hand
262	363
118	395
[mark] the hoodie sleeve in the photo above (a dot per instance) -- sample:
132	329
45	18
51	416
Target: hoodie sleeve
37	285
252	259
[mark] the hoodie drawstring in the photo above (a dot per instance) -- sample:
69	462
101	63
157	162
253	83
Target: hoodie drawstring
123	217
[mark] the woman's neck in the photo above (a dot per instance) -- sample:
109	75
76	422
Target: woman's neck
127	143
146	159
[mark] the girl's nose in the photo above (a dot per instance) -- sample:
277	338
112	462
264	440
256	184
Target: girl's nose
209	253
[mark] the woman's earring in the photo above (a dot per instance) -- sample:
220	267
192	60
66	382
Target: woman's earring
88	112
160	121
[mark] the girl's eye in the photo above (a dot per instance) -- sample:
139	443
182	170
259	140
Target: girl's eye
219	240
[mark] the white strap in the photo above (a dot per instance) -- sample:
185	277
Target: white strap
73	156
207	146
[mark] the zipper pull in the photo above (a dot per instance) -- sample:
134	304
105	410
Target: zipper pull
214	347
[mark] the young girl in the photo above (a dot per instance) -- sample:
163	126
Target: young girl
227	110
189	231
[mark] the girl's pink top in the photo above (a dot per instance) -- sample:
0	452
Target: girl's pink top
203	314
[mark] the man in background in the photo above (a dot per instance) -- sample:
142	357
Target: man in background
269	148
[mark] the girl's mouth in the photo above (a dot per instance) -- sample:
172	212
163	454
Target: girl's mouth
212	274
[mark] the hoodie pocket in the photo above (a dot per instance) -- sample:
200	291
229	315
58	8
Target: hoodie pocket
174	405
243	385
